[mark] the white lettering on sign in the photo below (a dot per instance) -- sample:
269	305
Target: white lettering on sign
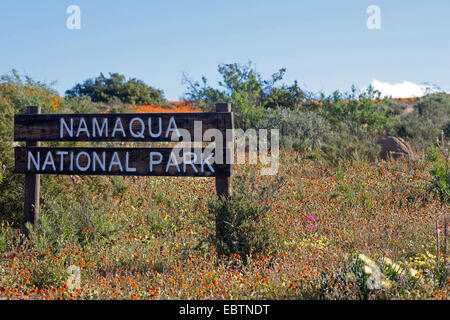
62	125
98	128
36	163
189	158
118	127
172	162
81	161
49	161
61	155
71	162
127	161
115	161
101	162
139	134
86	167
154	135
174	129
153	161
206	161
82	127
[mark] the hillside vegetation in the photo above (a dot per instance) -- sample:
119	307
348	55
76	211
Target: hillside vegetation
334	223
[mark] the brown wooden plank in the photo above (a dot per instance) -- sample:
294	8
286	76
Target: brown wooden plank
116	127
224	183
32	184
115	161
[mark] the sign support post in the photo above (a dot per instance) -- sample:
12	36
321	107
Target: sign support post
223	184
32	183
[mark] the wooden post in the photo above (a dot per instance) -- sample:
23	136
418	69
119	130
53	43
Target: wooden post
32	184
223	184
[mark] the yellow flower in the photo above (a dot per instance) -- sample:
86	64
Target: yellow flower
386	284
367	269
397	268
350	276
366	259
394	266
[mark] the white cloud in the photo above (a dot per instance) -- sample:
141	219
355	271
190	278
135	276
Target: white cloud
404	89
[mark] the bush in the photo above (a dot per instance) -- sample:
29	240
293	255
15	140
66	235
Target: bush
23	91
363	112
250	95
300	130
104	89
16	93
244	223
424	125
440	174
347	147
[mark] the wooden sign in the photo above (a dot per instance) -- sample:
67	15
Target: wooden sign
34	160
120	161
118	127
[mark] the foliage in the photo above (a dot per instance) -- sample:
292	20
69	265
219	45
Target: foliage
290	97
310	232
440	174
422	126
347	147
150	237
106	90
22	91
16	93
363	112
244	220
343	126
249	93
300	130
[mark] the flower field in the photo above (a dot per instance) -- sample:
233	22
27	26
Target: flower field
355	231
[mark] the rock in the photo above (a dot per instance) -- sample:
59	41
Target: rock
394	148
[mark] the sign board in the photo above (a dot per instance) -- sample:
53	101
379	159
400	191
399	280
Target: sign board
118	127
34	160
120	161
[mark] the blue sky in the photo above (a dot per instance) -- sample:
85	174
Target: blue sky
325	45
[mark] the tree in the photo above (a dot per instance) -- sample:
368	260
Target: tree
22	91
250	94
243	81
291	97
116	87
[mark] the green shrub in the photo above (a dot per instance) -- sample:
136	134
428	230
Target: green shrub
243	224
104	89
16	93
365	111
22	91
345	147
440	174
300	130
424	124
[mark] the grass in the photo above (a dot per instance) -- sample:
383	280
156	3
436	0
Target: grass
153	237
